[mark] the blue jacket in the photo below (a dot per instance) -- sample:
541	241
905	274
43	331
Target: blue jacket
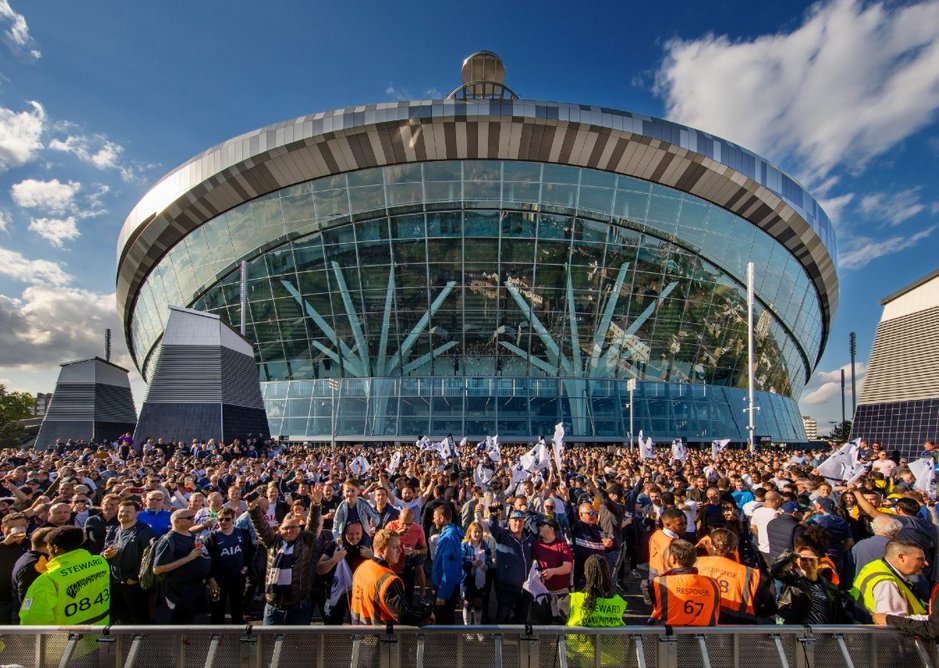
363	509
447	569
513	556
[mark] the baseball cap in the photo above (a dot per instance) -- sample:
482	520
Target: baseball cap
551	523
825	504
791	507
517	515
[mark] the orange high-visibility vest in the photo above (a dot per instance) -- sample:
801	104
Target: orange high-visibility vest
369	584
825	563
686	599
658	549
737	583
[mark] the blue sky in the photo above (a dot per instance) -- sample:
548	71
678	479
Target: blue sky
99	99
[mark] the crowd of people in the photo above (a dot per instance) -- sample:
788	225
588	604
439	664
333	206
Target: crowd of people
156	532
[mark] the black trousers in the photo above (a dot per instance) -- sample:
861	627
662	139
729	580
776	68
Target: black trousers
229	591
129	603
512	606
443	614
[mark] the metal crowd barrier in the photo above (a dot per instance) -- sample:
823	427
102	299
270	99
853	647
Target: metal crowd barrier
462	647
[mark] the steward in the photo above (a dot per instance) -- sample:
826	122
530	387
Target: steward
75	589
377	592
682	597
743	596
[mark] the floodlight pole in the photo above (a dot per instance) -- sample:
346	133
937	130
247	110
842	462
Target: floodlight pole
631	386
751	427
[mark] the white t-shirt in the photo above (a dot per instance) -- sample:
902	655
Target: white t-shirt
761	518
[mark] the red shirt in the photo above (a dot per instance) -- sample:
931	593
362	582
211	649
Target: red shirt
413	538
552	556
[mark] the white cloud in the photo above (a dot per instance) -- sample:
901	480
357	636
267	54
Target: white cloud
835	207
836	91
100	152
826	385
17	36
4	221
402	93
858	251
20	268
894	208
52	196
47	326
20	135
55	230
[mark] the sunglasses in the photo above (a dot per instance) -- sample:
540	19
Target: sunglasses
592	513
225	519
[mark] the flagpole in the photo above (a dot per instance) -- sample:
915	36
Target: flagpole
751	427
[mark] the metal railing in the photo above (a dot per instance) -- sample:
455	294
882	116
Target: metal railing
462	647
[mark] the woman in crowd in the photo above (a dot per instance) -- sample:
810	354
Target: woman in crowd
350	550
809	596
477	562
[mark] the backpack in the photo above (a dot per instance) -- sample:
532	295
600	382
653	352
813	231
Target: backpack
148	579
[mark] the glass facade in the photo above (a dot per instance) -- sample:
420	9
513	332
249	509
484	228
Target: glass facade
478	296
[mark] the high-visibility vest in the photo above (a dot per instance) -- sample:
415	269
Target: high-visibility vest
658	550
737	583
826	564
686	599
606	611
369	584
873	574
75	589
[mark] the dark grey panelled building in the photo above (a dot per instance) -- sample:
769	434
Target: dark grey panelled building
204	383
488	264
900	403
92	401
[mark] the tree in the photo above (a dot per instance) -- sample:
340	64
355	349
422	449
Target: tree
13	406
841	432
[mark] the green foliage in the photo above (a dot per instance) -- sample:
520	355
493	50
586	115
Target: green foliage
841	432
13	406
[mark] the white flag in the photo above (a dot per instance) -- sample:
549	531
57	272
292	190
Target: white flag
536	459
342	584
495	454
463	442
451	446
360	466
835	466
646	448
534	585
558	443
442	449
924	470
857	472
482	475
395	461
719	446
422	443
678	450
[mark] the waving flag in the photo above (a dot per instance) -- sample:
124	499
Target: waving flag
834	467
360	466
646	448
463	442
924	470
678	450
536	459
395	461
495	454
342	585
719	446
422	443
557	443
482	475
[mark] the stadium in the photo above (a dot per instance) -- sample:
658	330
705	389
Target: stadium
486	264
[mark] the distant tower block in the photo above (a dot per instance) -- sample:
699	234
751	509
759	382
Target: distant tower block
205	384
92	400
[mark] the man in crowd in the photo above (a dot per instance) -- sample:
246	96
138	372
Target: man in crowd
513	561
377	592
682	596
231	551
185	565
154	516
73	590
447	568
883	586
12	547
289	562
124	551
